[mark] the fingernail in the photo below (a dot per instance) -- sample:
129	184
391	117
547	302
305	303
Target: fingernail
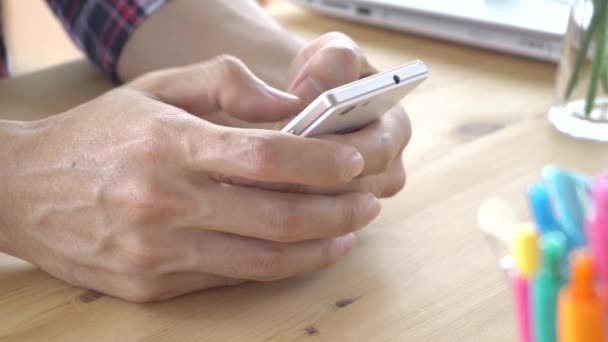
280	94
344	244
309	89
357	163
372	207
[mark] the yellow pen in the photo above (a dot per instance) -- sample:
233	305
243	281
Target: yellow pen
525	252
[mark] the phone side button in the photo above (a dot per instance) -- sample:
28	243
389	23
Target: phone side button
292	131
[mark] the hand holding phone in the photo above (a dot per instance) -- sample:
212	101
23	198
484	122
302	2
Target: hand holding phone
356	104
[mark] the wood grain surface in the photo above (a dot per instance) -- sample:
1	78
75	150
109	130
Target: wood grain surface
421	272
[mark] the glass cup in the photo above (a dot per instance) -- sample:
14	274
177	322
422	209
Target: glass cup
581	106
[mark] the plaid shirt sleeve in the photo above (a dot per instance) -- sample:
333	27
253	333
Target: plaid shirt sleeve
3	56
102	27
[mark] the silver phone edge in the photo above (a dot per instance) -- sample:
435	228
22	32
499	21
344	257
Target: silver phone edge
412	83
343	94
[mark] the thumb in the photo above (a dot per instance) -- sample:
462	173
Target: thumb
327	69
221	84
331	61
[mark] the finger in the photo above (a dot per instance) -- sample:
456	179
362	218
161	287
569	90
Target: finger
153	288
384	185
265	155
380	142
283	217
177	284
222	84
328	62
246	258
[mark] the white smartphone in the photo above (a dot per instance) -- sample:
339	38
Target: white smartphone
354	105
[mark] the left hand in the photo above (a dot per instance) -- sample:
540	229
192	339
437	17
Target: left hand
330	61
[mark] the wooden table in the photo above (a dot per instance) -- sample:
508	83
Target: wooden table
421	272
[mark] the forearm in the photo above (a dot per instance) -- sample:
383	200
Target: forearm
187	31
14	136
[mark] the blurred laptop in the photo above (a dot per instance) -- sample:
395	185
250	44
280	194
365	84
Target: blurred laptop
532	28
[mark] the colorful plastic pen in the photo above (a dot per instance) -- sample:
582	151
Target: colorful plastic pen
580	313
540	206
546	286
525	252
597	228
565	190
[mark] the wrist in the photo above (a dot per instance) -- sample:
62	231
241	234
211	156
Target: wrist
15	138
190	31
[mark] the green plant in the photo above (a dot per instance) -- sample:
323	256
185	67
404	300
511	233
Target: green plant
597	31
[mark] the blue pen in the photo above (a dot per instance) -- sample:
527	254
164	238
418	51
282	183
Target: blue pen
540	207
567	192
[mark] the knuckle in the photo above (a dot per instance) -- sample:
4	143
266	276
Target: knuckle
396	183
260	153
146	201
154	141
137	289
372	185
193	151
338	169
326	259
230	65
270	263
346	54
143	201
139	256
154	129
349	217
283	222
386	151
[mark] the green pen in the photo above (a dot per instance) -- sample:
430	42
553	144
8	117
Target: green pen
546	285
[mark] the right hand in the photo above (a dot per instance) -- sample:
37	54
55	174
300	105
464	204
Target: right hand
124	194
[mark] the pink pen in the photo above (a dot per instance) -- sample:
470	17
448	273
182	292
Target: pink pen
521	297
597	231
525	253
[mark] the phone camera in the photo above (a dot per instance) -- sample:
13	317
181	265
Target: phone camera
396	79
348	110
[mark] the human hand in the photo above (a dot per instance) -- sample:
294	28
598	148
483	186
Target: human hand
328	62
333	60
125	194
